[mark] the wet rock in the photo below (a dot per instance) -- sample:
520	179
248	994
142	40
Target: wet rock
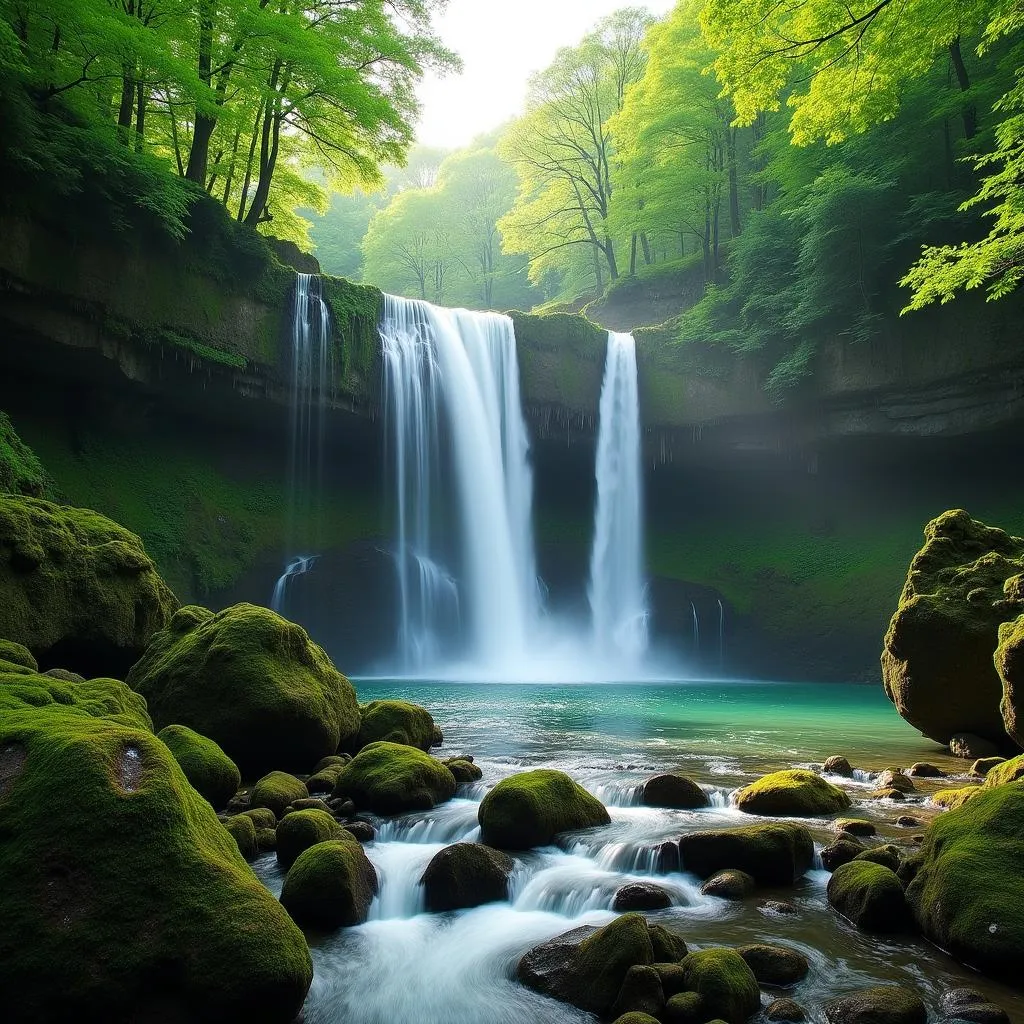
330	885
465	772
971	747
888	856
924	770
390	778
466	875
362	830
726	985
436	736
243	831
884	1004
667	945
870	896
777	907
985	764
838	765
792	793
907	821
950	799
775	966
842	851
395	721
641	992
967	1004
893	779
342	806
641	896
531	808
729	885
277	791
773	854
672	978
685	1008
674	791
301	830
896	795
1008	771
856	826
785	1010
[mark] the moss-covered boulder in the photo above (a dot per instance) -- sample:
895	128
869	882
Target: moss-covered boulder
729	885
1008	771
277	791
212	773
466	875
251	681
674	791
243	831
636	1017
725	983
844	849
390	778
76	589
262	817
18	655
785	1010
937	660
775	966
95	698
983	765
792	793
884	1004
587	966
330	885
531	808
641	896
773	854
301	830
870	896
953	798
121	894
1009	663
21	472
465	772
888	855
684	1008
395	721
640	992
968	892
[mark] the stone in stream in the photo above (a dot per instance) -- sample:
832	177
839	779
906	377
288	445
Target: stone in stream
641	992
210	771
641	896
856	826
983	765
1008	771
262	817
330	885
396	721
466	875
531	808
277	791
907	821
888	855
726	985
775	966
243	831
675	792
890	793
870	896
842	851
636	1017
390	778
785	1010
775	853
883	1004
301	830
730	884
838	765
779	908
266	839
970	1005
924	770
891	778
685	1008
362	830
672	978
309	803
465	772
794	792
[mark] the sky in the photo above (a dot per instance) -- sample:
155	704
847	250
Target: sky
501	45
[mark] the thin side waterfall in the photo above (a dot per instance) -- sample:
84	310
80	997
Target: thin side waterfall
617	592
311	375
462	484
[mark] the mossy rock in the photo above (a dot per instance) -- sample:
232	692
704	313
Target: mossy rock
21	472
636	1017
785	1010
842	851
212	773
16	654
1008	771
390	778
668	946
983	765
531	808
251	681
330	885
640	896
725	983
641	992
262	817
671	975
792	793
335	761
883	1004
953	798
277	791
1009	664
870	896
856	826
968	892
465	772
674	791
301	830
103	841
773	854
937	662
395	721
266	839
466	875
685	1008
888	855
729	884
324	780
243	831
775	966
94	698
587	966
76	589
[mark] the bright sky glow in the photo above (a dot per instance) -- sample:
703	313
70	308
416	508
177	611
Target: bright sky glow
501	45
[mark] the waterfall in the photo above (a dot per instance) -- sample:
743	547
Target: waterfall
617	598
462	483
311	375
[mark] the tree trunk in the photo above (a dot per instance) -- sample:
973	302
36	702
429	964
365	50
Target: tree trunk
632	256
199	154
969	112
734	187
269	146
124	113
645	245
141	100
248	166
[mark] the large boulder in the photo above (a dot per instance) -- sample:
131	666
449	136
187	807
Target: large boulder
390	778
884	1004
121	895
396	721
1007	771
775	966
674	791
795	792
251	681
937	660
773	854
531	808
870	896
276	791
77	589
300	830
466	875
1009	663
330	885
16	656
212	773
725	983
968	892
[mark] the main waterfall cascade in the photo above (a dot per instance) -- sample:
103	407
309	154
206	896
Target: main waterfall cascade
311	375
617	591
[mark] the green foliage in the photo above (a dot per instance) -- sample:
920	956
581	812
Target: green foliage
21	472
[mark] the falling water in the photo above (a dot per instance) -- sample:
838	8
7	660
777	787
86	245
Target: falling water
696	629
311	374
617	598
721	634
455	426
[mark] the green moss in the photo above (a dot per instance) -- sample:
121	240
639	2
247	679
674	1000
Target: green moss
466	875
794	792
774	854
776	966
390	778
888	855
17	654
883	1004
667	946
395	721
243	831
674	791
869	895
1008	771
324	780
603	960
262	817
276	791
685	1008
465	772
1009	664
636	1017
330	885
531	808
212	773
251	681
300	830
726	985
21	472
104	841
968	893
92	698
952	798
75	583
355	313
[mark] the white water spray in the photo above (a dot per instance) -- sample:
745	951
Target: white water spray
617	598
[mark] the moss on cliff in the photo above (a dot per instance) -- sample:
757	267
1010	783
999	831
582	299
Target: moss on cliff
21	472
